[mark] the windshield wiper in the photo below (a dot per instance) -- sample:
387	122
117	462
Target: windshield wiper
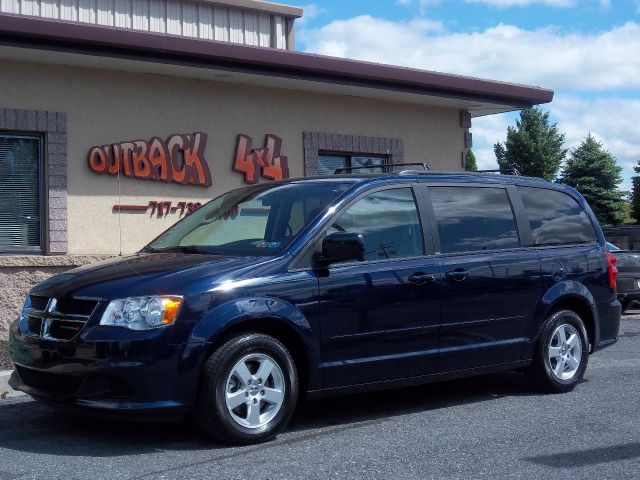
175	249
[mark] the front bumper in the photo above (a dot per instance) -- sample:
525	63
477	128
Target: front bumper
146	375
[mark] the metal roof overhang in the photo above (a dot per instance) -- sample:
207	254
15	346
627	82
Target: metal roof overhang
70	43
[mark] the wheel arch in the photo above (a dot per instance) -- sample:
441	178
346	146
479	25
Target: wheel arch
274	317
575	297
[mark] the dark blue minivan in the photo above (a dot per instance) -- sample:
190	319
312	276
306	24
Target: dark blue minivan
324	286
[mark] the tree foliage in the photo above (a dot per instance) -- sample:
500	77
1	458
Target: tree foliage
470	164
593	171
533	147
635	194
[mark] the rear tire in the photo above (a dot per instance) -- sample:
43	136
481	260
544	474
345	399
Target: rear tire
561	354
627	304
248	390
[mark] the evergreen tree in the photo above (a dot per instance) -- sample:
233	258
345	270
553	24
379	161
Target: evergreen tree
533	147
635	194
593	171
470	164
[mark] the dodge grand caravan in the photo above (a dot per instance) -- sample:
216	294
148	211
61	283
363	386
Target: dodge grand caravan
324	286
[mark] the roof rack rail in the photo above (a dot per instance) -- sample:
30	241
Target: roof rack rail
503	171
424	165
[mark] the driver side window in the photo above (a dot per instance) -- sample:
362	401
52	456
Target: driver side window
389	223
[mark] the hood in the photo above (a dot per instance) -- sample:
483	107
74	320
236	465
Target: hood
154	274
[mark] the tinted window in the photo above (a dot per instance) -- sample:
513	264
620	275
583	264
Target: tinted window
388	221
555	217
260	220
624	240
472	218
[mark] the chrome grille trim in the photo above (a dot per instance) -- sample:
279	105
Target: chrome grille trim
52	319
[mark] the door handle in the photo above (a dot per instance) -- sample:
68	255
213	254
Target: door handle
421	278
456	275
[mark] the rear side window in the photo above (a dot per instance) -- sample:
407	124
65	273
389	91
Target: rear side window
473	218
555	217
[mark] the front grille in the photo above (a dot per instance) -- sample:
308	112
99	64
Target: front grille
58	319
49	382
75	307
65	330
34	324
38	303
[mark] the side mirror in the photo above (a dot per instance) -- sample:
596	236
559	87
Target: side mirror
342	246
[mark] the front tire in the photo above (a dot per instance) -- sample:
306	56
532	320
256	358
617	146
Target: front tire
561	354
248	390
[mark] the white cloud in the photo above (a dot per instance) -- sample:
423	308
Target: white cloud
486	132
501	4
525	3
546	57
592	65
309	11
612	120
422	4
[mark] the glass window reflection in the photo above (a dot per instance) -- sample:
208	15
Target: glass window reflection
388	221
471	219
555	217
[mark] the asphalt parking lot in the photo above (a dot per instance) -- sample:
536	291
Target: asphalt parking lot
486	427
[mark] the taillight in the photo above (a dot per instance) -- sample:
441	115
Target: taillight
613	268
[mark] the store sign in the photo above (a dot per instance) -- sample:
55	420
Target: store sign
264	162
160	208
179	159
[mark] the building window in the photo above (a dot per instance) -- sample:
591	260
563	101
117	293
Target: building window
21	198
324	152
50	128
329	162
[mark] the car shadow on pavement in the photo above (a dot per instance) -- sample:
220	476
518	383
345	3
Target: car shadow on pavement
395	402
593	456
35	428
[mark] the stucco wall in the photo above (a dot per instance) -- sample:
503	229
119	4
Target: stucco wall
18	274
104	107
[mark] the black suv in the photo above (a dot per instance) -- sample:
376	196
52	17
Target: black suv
324	286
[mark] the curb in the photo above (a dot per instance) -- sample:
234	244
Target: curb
4	385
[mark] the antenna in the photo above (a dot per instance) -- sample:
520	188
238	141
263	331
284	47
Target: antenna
119	213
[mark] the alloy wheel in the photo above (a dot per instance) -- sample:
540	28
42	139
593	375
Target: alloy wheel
254	390
565	352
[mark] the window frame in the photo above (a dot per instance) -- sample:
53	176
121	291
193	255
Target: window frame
314	142
523	231
42	194
304	259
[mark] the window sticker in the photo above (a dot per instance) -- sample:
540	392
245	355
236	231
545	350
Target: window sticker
265	244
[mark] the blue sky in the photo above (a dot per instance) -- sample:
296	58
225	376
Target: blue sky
588	52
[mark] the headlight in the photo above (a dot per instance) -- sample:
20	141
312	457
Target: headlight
142	313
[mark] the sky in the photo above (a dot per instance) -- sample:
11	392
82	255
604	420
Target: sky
588	52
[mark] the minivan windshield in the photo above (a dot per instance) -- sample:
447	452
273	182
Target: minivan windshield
262	220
